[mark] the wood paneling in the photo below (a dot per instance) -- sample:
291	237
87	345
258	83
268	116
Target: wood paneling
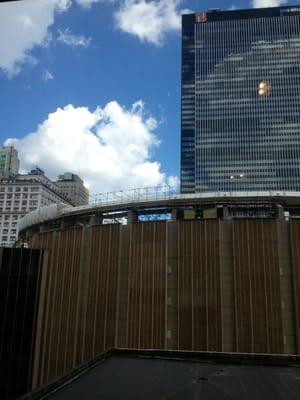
60	325
147	286
257	287
107	285
102	290
60	302
295	250
199	313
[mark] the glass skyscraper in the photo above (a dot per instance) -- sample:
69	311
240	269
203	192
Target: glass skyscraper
240	105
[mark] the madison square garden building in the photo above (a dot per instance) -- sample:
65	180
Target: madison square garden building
241	100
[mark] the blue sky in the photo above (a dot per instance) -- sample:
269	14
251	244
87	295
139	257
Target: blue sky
93	86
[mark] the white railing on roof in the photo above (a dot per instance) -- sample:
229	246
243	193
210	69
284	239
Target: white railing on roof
140	195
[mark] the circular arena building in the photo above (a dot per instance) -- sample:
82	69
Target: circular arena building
154	269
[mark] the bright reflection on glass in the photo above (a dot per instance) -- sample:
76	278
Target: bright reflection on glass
264	88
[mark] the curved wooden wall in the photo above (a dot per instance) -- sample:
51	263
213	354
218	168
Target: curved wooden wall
211	285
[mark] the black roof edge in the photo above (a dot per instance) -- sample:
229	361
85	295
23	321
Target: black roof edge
281	360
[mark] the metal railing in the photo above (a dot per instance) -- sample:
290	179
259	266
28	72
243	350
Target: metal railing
146	195
156	193
136	195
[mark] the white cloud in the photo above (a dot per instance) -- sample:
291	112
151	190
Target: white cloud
267	3
24	25
69	39
88	3
47	75
109	147
149	20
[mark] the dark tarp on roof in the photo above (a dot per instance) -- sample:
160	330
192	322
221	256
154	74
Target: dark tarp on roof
144	375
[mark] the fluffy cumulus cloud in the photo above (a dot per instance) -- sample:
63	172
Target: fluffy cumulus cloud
267	3
65	36
110	148
24	25
149	20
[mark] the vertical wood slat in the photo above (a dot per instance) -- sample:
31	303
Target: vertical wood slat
242	290
227	286
38	353
200	288
86	276
199	323
60	314
72	298
171	327
286	284
134	277
295	252
214	287
257	287
184	287
122	294
146	287
91	295
101	291
129	279
146	290
62	301
57	346
51	309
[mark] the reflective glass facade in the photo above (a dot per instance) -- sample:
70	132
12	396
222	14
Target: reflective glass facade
20	273
240	108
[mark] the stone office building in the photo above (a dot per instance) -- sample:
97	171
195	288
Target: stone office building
22	194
